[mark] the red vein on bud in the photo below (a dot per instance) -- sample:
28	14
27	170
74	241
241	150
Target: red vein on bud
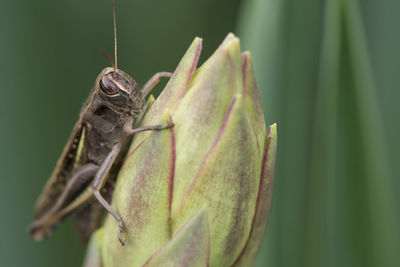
203	162
191	71
260	191
172	175
134	150
179	231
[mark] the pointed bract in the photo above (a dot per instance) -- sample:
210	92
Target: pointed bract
202	113
252	99
250	250
190	245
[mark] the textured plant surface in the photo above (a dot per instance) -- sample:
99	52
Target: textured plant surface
199	193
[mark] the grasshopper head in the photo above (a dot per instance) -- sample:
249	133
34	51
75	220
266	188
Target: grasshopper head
119	90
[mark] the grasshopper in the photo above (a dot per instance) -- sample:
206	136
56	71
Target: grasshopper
94	153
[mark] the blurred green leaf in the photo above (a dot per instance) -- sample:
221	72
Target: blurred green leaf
294	34
379	243
321	206
334	202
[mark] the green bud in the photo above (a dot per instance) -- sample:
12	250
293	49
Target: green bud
199	193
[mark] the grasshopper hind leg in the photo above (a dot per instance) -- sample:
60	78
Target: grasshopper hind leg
44	225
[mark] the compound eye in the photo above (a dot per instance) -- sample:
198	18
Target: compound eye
108	87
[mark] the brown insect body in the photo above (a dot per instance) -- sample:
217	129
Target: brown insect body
98	129
94	153
105	116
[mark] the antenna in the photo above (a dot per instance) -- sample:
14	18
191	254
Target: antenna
115	40
108	57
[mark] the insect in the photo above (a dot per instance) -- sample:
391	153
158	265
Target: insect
94	152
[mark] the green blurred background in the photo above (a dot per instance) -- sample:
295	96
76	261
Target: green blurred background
328	73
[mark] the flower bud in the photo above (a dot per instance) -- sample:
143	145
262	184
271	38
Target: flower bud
199	193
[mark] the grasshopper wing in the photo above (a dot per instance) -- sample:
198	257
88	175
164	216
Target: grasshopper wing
71	158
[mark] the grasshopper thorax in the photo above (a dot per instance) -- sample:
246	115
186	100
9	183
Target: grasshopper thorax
119	91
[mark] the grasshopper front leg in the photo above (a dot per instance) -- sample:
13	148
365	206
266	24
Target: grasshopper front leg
145	90
102	174
129	130
100	179
153	81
